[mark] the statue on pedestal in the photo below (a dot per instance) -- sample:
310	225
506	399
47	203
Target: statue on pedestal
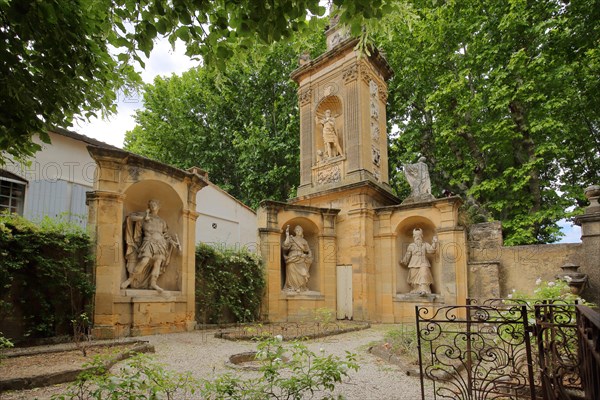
417	175
330	137
419	268
298	258
148	248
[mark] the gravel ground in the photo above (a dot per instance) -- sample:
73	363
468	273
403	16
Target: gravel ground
204	355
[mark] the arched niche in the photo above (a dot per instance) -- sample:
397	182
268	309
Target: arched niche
333	104
404	238
311	234
171	210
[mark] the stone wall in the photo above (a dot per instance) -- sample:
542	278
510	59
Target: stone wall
495	270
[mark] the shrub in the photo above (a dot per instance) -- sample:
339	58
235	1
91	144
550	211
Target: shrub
229	285
299	378
45	275
141	377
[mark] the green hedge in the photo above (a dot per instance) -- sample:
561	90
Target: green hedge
45	276
229	285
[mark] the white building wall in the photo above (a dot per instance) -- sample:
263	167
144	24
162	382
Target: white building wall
58	177
224	221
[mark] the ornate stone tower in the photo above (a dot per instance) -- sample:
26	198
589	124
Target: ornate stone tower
354	230
343	138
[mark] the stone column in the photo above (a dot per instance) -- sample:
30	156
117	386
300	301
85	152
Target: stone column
351	118
328	255
386	265
270	250
590	241
307	142
105	226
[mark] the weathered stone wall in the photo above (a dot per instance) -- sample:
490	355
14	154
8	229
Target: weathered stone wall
495	270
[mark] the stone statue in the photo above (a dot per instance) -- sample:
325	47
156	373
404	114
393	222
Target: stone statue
298	259
419	268
330	137
417	176
148	248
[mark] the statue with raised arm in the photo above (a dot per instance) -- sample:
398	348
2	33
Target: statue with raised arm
419	268
417	175
298	258
330	136
148	248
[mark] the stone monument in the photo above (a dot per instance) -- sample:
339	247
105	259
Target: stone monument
142	217
417	175
419	267
148	248
298	258
356	228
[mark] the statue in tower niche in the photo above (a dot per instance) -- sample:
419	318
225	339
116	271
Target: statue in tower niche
419	268
417	175
330	136
298	258
148	248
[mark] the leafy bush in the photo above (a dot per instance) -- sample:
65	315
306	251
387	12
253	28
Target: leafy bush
298	378
141	377
229	285
45	275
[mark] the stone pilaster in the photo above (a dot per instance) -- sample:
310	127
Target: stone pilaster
590	241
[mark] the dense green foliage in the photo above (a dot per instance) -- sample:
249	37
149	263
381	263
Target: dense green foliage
55	63
243	128
502	99
229	285
45	276
68	57
143	378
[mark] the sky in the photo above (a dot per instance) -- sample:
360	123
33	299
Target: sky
165	61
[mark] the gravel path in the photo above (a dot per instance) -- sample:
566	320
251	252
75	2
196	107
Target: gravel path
204	355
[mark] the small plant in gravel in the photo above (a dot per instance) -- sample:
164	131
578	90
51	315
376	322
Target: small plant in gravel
304	374
82	327
4	344
140	377
403	342
288	371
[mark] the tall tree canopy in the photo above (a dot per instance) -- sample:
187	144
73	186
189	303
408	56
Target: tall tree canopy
64	58
241	126
502	98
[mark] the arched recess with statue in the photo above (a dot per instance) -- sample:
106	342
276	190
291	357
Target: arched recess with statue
287	251
123	304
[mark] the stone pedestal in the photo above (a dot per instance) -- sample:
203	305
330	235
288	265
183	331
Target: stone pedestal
590	242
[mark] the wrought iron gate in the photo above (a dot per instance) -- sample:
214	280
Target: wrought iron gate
500	349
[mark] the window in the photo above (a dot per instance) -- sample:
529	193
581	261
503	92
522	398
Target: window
12	193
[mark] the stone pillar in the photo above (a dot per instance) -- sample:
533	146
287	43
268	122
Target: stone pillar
270	249
307	143
386	262
328	253
590	241
105	226
353	140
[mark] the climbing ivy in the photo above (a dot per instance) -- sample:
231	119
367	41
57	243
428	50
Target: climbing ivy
229	285
45	276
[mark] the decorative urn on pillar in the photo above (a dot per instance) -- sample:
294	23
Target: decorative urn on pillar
577	281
